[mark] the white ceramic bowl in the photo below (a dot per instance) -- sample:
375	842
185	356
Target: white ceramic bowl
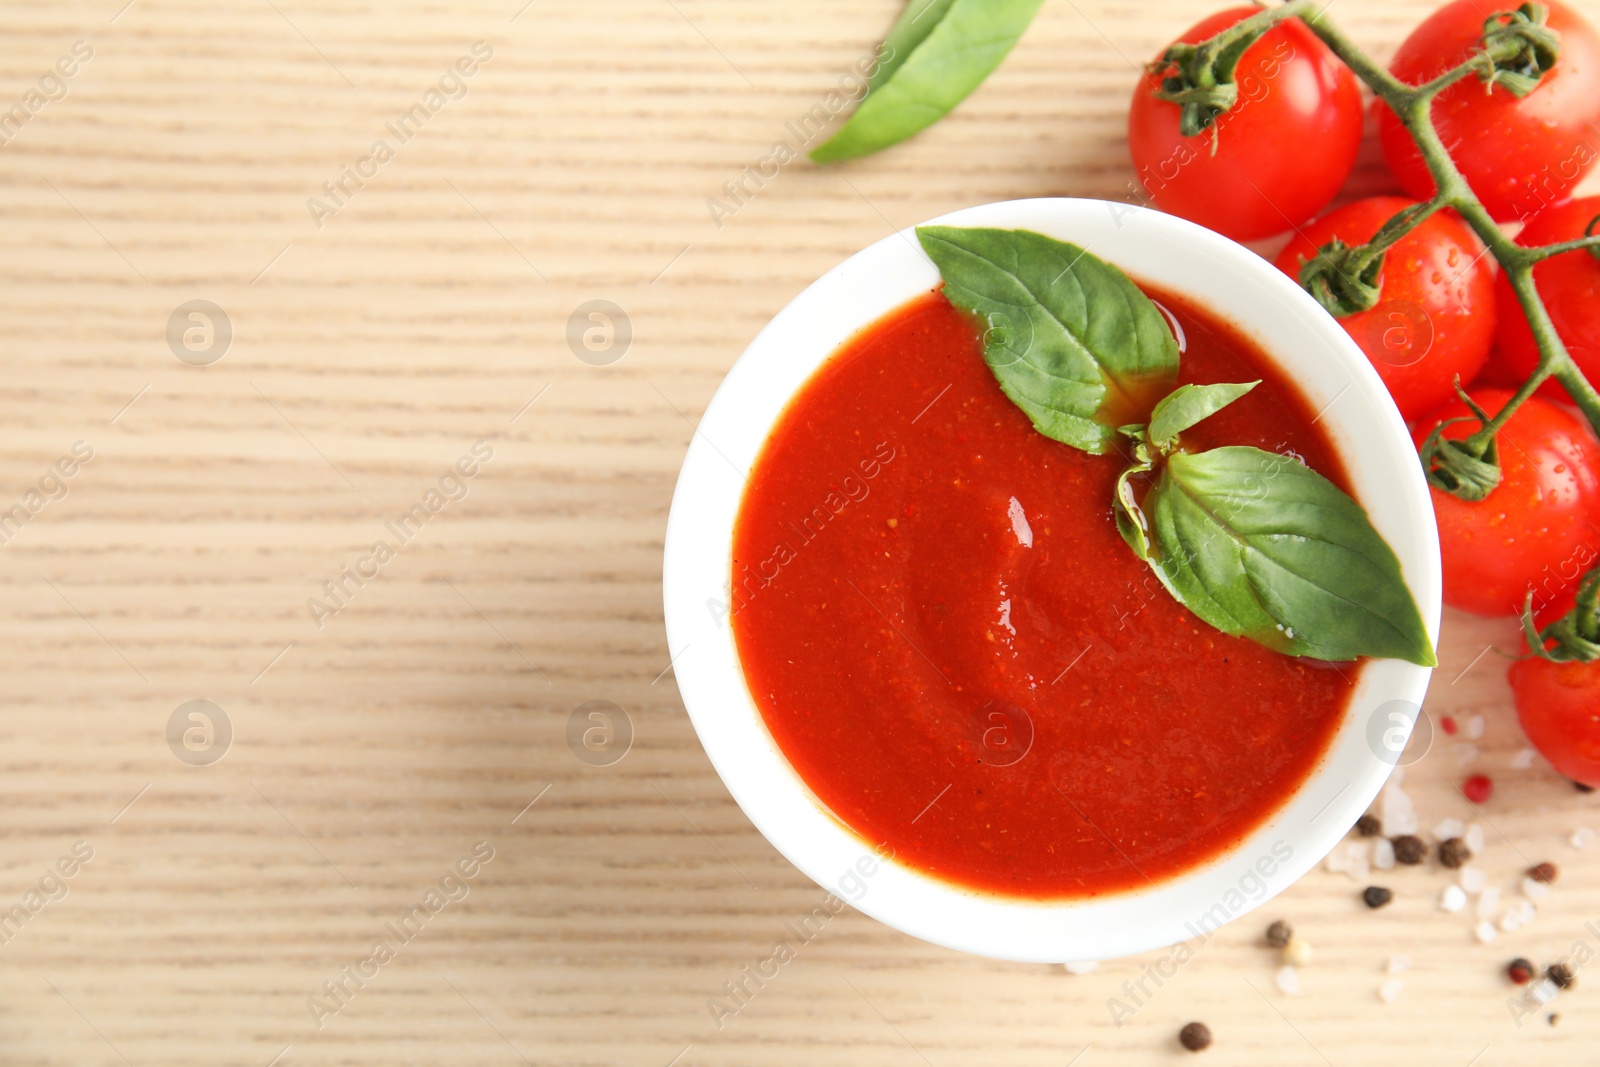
1309	347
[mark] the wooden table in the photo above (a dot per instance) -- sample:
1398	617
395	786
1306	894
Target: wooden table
376	340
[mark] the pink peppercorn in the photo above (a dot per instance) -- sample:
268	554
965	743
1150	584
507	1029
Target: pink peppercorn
1448	724
1478	788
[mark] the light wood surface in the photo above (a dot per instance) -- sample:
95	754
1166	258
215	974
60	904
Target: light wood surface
372	752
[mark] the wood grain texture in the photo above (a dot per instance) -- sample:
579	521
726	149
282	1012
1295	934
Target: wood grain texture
372	752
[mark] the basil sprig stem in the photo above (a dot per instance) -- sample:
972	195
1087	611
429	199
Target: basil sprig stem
1518	50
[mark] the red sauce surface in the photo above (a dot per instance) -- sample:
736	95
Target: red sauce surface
1035	720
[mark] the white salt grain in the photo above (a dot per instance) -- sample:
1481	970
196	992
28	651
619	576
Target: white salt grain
1473	879
1287	981
1543	991
1338	861
1474	838
1523	760
1485	932
1474	728
1510	921
1454	898
1358	868
1449	828
1488	900
1389	992
1467	754
1402	824
1581	838
1535	890
1397	965
1394	803
1085	967
1383	854
1527	911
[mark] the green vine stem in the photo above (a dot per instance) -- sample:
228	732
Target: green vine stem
1575	637
1518	49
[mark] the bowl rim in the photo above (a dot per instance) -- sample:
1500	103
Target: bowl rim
1308	345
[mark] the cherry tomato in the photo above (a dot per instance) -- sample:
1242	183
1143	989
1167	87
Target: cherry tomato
1282	152
1540	524
1558	705
1570	286
1496	372
1435	318
1517	154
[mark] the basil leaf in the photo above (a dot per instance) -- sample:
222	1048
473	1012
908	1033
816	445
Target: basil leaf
1071	340
939	66
916	22
1260	546
1189	404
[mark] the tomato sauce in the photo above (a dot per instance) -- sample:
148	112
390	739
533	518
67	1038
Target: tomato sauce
955	650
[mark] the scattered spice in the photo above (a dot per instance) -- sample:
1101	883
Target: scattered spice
1297	953
1561	974
1195	1036
1410	850
1448	724
1546	872
1520	971
1376	896
1453	853
1553	1018
1584	787
1279	933
1478	788
1369	825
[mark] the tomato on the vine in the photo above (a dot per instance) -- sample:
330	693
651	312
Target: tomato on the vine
1519	155
1435	317
1558	705
1541	523
1273	160
1570	286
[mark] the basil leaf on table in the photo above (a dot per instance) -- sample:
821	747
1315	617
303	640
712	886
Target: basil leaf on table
1261	546
1190	404
1071	340
916	22
942	50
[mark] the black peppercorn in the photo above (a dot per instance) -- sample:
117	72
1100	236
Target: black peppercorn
1195	1037
1520	971
1376	896
1279	933
1369	825
1561	974
1584	787
1544	872
1410	850
1454	852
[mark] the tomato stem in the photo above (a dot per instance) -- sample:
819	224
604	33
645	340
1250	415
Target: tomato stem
1589	242
1576	635
1518	50
1347	280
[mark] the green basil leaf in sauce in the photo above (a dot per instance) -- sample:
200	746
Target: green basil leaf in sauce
941	51
1189	404
1260	546
1071	340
